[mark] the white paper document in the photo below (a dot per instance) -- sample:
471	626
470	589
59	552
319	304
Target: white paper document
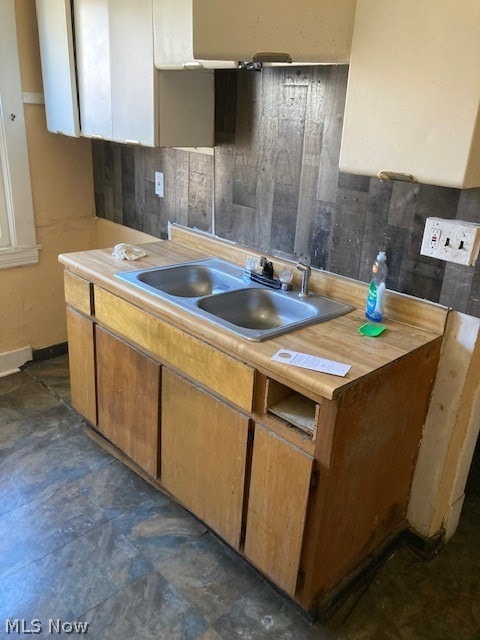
306	361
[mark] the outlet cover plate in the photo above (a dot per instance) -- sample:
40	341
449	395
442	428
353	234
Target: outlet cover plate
159	184
451	240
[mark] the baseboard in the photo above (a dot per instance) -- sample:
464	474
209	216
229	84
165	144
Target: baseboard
363	574
357	580
425	547
47	353
11	361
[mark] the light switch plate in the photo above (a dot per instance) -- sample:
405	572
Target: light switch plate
451	240
159	184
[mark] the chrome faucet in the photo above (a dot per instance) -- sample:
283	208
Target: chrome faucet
306	273
283	282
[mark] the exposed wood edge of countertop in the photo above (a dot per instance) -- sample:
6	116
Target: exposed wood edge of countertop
338	339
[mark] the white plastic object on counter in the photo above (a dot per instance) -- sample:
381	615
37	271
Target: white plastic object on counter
125	251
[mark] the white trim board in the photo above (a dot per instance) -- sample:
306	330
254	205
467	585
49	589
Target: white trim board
12	360
14	162
450	431
18	256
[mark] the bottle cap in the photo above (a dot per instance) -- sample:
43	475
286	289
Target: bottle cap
381	256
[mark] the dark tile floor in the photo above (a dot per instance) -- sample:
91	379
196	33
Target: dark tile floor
82	538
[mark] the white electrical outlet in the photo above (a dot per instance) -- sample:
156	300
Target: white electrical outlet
451	240
159	184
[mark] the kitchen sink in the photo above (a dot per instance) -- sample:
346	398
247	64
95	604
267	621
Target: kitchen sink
219	292
188	280
258	314
258	309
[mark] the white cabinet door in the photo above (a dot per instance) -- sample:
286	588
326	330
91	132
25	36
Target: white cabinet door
92	40
116	75
307	30
413	92
122	96
58	66
132	71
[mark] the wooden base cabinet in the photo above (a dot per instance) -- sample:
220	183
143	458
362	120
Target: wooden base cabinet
309	489
204	451
128	391
279	488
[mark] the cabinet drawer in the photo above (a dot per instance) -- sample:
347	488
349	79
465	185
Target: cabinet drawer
78	293
207	365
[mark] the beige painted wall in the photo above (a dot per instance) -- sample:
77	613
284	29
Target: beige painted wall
32	311
110	233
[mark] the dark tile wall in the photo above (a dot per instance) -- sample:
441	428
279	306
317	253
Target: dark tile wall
277	187
125	189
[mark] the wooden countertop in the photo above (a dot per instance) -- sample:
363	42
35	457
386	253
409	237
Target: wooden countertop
336	339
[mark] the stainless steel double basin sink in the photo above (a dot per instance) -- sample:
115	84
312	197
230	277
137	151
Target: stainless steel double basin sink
221	292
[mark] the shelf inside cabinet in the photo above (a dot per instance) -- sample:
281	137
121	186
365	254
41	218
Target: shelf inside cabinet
291	407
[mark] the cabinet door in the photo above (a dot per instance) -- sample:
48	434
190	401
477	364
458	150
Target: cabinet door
413	92
277	505
128	388
58	66
92	42
310	31
81	356
116	75
204	447
132	71
122	96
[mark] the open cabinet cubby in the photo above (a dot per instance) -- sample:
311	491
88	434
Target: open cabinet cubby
291	407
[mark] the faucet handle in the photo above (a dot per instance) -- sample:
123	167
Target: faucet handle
285	276
267	268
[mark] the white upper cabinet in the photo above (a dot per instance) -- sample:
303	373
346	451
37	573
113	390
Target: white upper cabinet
414	91
122	96
116	76
173	38
58	66
316	31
